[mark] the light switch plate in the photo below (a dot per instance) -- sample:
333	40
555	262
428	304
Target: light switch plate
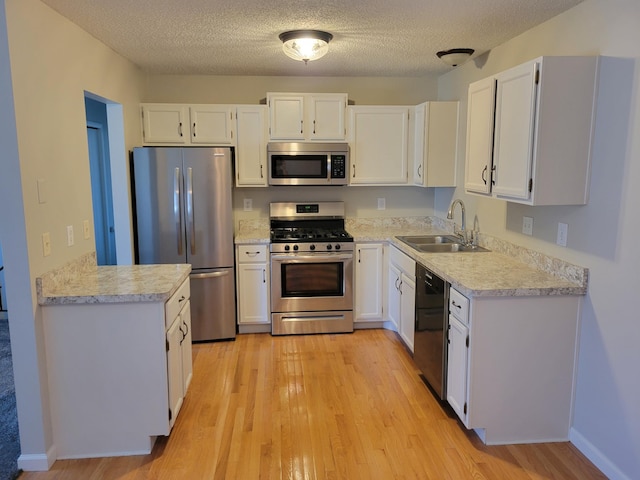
70	240
527	225
248	204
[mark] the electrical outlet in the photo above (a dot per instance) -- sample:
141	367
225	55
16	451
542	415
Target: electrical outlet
248	204
563	231
70	240
86	230
382	203
527	225
46	244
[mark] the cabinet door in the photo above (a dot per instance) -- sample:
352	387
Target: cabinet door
514	130
251	154
457	367
185	347
253	293
378	137
165	123
418	138
286	117
480	112
211	124
368	282
407	309
326	115
174	369
393	296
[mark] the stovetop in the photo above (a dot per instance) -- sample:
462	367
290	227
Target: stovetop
309	234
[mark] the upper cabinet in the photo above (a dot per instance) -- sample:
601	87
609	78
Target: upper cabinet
307	117
378	139
178	124
434	130
529	132
251	151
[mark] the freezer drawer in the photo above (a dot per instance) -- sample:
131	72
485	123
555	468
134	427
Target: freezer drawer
213	310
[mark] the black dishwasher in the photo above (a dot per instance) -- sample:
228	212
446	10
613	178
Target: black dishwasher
430	341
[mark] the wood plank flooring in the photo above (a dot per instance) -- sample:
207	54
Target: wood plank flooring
348	406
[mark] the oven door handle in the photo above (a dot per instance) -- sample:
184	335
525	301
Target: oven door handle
318	257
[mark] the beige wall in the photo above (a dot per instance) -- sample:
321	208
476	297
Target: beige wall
602	235
253	90
52	64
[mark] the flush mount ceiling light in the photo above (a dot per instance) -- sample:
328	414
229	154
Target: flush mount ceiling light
455	56
305	45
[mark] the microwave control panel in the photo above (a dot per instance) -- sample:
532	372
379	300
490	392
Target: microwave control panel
338	166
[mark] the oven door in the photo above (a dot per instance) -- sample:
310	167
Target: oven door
311	282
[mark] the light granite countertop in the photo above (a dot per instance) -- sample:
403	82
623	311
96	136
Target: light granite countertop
82	282
506	270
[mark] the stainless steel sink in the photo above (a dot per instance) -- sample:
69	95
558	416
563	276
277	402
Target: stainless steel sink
438	244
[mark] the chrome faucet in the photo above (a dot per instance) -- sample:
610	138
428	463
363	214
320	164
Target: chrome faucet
463	232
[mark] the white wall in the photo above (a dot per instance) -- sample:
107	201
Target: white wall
603	235
49	66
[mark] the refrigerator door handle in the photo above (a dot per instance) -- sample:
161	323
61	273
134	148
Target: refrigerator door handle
177	213
190	219
221	273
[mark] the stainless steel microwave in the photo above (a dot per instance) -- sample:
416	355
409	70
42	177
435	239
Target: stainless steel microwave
308	163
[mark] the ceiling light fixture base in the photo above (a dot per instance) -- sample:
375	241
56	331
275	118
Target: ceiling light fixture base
455	56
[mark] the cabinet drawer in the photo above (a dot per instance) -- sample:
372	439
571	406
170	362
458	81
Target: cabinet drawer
252	253
176	302
403	262
459	306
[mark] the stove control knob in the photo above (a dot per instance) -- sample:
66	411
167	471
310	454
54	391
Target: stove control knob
337	246
329	247
286	248
295	247
312	247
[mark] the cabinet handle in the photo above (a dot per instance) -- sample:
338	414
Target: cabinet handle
194	129
401	282
484	171
251	254
453	302
494	172
354	170
264	275
314	126
396	283
180	128
301	130
358	255
261	176
182	299
419	172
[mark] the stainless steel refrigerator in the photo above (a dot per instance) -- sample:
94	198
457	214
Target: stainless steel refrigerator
183	208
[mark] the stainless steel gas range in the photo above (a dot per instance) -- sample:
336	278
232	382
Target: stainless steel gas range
311	269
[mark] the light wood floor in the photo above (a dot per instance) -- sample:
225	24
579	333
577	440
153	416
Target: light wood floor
345	406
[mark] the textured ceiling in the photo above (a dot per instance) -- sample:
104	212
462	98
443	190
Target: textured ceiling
240	37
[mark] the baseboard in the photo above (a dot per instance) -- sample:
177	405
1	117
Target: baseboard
39	462
596	456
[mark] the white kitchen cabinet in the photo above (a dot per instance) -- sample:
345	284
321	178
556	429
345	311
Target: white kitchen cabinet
378	139
251	151
168	123
117	373
434	138
516	383
457	353
369	275
254	313
307	117
544	113
401	292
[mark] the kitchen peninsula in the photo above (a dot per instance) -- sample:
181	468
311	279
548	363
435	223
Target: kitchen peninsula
118	346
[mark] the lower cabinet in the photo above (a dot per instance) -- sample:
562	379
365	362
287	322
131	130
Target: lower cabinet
511	368
254	311
117	373
369	276
401	294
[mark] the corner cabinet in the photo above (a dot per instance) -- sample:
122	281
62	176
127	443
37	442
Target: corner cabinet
434	144
368	281
307	117
401	291
118	373
167	123
378	139
511	365
539	152
253	279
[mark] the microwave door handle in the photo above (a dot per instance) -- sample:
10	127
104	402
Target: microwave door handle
328	167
